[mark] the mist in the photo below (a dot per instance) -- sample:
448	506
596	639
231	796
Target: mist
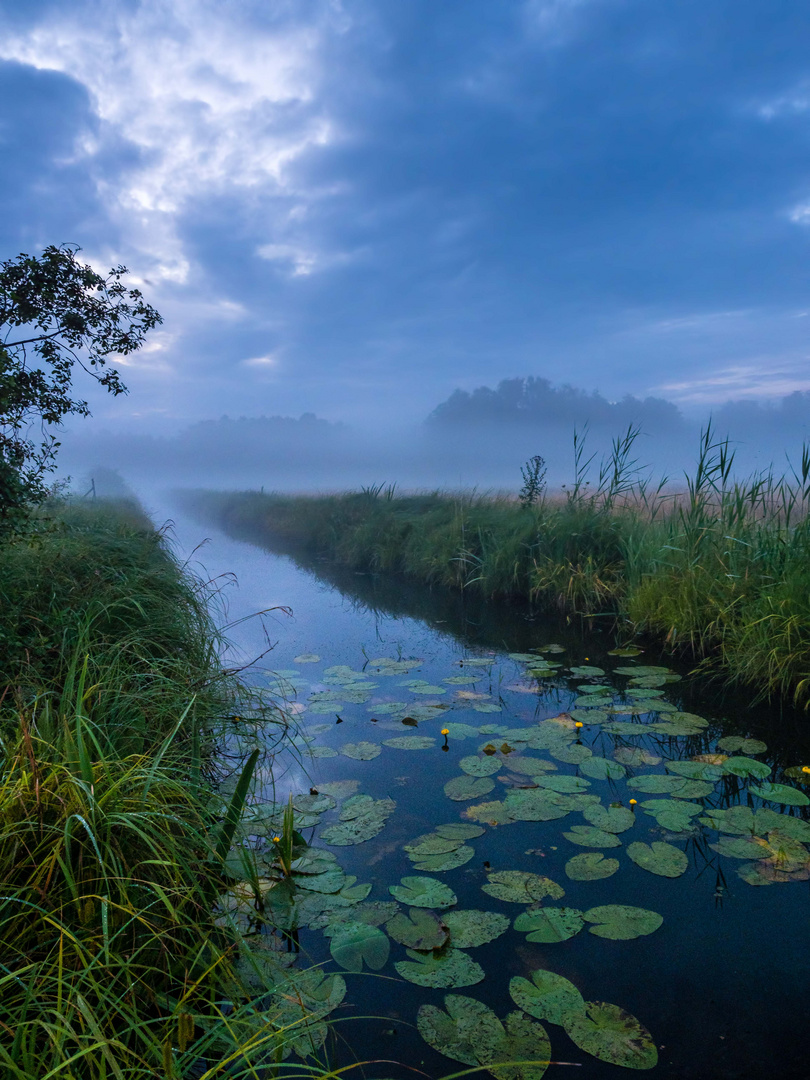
477	439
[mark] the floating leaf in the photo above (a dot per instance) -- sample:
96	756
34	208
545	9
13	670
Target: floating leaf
339	789
361	751
677	786
423	892
536	804
563	784
590	836
739	847
697	770
524	1040
490	813
671	814
361	819
745	766
800	773
431	844
479	766
448	968
410	742
486	707
550	924
586	671
613	1035
459	831
614	819
622	923
529	766
658	858
461	680
626	650
471	928
635	756
589	716
461	788
466	1023
356	942
322	751
591	866
437	863
602	769
419	929
780	793
521	887
307	658
573	754
548	997
734	744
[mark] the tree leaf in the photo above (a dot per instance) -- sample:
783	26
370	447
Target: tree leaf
448	968
591	866
550	924
423	892
547	997
620	922
419	929
470	928
658	858
613	1035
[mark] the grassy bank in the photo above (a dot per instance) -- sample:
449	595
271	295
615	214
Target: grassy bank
114	961
720	569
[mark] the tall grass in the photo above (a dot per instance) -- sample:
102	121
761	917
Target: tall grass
114	961
715	566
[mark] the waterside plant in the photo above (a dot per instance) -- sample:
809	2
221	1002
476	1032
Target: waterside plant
716	567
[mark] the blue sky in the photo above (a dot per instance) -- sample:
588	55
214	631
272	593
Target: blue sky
352	207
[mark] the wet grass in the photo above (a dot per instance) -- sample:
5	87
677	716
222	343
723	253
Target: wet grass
113	837
718	568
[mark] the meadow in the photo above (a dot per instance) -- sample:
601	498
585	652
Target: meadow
715	567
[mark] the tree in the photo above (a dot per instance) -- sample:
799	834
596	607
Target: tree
55	313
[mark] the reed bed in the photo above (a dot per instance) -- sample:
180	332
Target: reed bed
113	838
717	567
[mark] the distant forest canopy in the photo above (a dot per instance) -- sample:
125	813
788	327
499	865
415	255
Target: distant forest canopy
534	400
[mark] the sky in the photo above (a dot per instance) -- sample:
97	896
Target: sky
353	207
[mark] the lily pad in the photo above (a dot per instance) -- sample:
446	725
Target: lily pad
459	831
635	756
419	929
339	789
614	819
603	769
613	1035
360	819
361	751
780	793
356	943
620	922
423	892
307	658
590	836
410	742
461	788
470	928
550	924
528	766
734	744
658	858
746	766
448	968
572	754
521	887
524	1040
536	804
435	864
626	650
490	813
591	866
547	997
479	766
563	784
454	1033
431	844
739	847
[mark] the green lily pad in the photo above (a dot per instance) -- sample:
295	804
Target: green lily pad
322	751
479	766
573	754
658	858
536	804
423	892
590	836
466	1024
800	773
486	707
622	923
614	819
339	789
563	784
431	844
435	864
461	788
307	658
613	1035
410	742
671	814
490	813
591	866
521	887
459	731
586	671
738	847
361	819
420	929
448	968
734	744
696	770
470	928
589	716
626	650
794	827
746	766
356	943
361	751
635	756
603	769
461	680
780	793
550	924
459	831
524	1040
527	766
547	997
678	786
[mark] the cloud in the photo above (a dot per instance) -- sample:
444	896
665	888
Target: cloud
759	379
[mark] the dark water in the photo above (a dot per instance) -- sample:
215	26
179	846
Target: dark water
723	984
